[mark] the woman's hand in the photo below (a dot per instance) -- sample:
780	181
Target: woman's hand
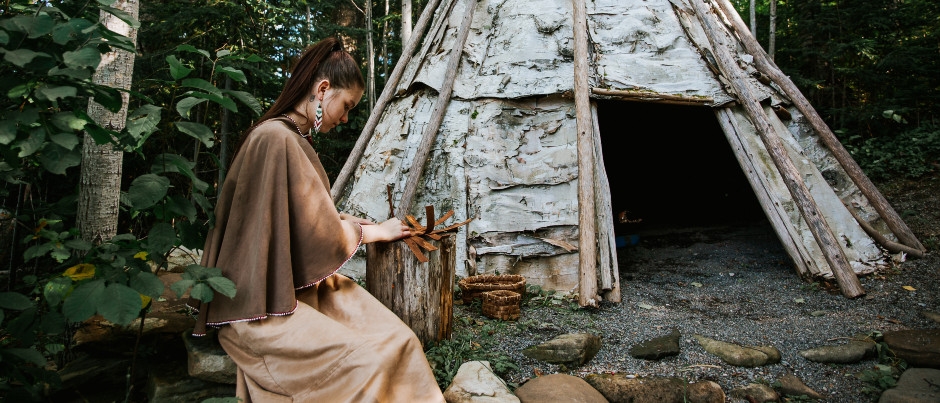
391	230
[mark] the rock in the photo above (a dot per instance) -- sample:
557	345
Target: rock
657	348
207	360
88	368
857	349
919	347
172	385
792	386
934	316
475	382
558	388
740	356
756	392
915	386
619	388
572	350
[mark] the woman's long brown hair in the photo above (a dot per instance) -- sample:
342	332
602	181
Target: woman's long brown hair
327	59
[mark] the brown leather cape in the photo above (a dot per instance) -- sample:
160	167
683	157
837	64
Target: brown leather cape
276	229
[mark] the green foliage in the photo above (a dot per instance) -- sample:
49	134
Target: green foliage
885	374
911	153
472	340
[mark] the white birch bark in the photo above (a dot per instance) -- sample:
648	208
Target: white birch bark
100	186
406	25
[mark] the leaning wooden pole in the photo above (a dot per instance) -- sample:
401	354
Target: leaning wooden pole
437	115
587	235
841	269
770	69
360	148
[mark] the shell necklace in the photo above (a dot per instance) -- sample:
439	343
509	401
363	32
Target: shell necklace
296	126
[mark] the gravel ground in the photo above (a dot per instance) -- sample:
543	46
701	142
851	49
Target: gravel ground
733	284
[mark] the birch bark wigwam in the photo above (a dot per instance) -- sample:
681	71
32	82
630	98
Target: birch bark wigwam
516	141
100	181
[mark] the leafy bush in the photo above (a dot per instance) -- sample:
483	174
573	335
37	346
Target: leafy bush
472	340
911	153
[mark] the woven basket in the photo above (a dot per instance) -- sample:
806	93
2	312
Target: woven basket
474	286
501	304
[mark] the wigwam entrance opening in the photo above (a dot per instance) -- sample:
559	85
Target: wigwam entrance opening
672	168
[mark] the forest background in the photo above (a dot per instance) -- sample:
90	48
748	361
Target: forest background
117	120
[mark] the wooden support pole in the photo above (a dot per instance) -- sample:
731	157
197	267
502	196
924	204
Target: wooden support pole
360	148
770	69
841	269
437	115
607	242
652	97
587	237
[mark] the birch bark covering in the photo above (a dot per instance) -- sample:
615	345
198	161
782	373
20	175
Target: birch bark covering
100	182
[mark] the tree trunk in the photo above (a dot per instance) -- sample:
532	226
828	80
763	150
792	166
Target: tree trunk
370	57
405	22
385	44
421	294
753	13
772	30
100	183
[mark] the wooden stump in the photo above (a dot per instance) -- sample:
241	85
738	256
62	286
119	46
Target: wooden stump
421	294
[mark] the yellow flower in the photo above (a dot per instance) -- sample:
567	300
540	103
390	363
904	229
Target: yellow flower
80	271
142	255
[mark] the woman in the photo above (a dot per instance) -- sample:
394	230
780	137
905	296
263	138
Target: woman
298	330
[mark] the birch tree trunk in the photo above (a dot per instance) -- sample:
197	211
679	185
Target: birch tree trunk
385	43
370	54
754	18
100	182
406	25
772	30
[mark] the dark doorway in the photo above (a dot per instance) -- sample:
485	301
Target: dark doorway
672	167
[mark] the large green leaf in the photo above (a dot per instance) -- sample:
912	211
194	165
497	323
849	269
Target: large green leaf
66	140
68	121
185	104
247	99
85	57
57	159
35	25
180	287
192	49
160	239
147	190
100	134
104	5
202	292
233	73
78	74
54	93
52	323
147	284
120	304
82	303
114	40
222	286
228	103
182	207
177	69
72	29
179	164
31	144
202	85
22	57
198	131
4	38
56	290
7	131
29	355
14	301
143	121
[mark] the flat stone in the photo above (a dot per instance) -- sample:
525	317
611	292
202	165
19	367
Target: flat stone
88	368
740	356
756	392
657	348
558	388
857	349
475	382
790	385
918	347
619	388
916	385
206	360
572	350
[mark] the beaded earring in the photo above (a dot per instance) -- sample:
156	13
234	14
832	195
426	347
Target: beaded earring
318	119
